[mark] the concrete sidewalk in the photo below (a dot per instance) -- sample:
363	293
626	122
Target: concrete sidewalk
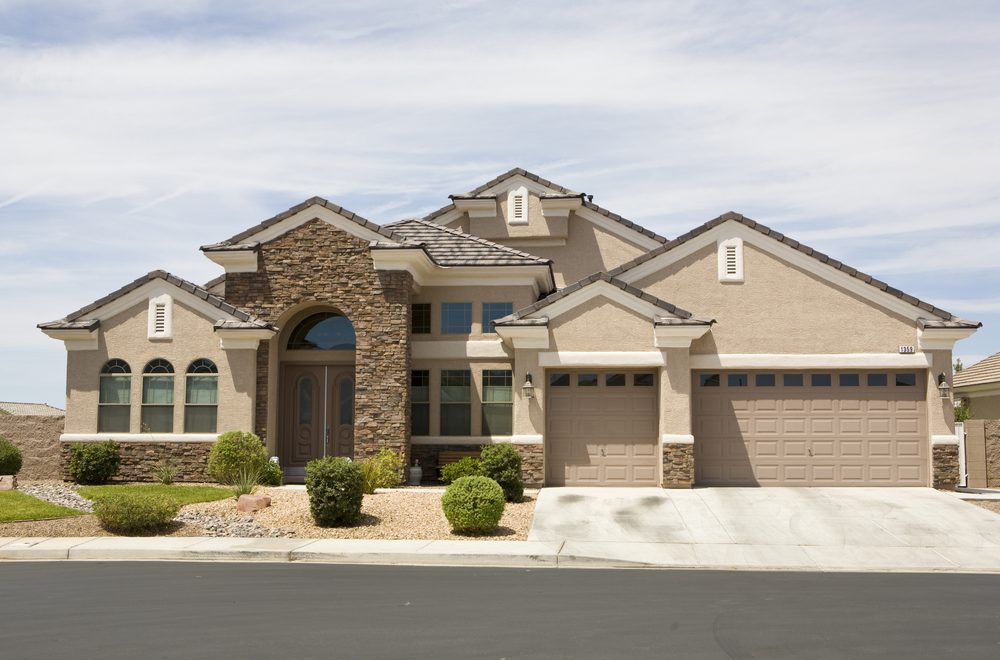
540	554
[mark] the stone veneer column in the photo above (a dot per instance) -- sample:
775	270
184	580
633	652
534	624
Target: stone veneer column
677	443
318	263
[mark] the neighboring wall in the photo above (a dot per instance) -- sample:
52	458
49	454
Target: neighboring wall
37	437
982	452
984	407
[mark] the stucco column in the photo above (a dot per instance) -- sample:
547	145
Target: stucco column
676	440
941	424
529	417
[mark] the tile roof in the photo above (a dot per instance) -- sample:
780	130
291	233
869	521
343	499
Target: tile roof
451	247
805	249
981	373
951	323
77	320
34	409
684	317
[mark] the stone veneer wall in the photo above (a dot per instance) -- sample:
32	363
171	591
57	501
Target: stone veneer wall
945	466
992	427
532	461
141	459
678	465
37	436
320	263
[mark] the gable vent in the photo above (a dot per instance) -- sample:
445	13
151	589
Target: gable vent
517	206
160	321
731	260
160	318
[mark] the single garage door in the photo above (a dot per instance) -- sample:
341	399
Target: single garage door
602	428
822	428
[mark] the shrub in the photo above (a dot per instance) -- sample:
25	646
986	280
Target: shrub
244	481
502	464
10	457
165	472
132	514
469	466
235	451
335	487
272	474
384	470
93	463
473	504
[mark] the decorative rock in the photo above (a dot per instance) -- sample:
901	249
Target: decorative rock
251	503
8	482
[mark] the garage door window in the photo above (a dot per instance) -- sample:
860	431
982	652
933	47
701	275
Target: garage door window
850	380
614	380
456	406
643	380
708	380
586	380
497	402
764	380
822	380
878	380
559	380
738	380
793	380
906	380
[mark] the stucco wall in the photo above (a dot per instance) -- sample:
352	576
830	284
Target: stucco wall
985	407
37	437
601	325
124	336
779	308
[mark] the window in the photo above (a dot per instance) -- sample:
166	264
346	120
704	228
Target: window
586	380
517	206
201	399
614	380
345	402
793	380
878	380
325	331
821	380
114	407
906	380
498	406
765	380
456	318
558	380
157	397
850	380
456	402
643	380
420	318
737	380
492	311
161	317
420	402
731	260
708	380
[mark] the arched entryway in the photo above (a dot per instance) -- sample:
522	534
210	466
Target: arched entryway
316	391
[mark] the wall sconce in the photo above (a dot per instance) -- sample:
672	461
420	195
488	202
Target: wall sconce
528	389
944	389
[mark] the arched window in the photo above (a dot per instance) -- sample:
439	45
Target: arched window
158	397
114	402
201	402
324	331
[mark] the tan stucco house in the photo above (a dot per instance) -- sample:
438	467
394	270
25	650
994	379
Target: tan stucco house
979	386
523	312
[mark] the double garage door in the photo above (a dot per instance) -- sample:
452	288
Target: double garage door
858	428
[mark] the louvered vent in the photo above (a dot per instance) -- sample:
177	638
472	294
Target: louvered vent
160	319
517	206
731	260
731	265
160	322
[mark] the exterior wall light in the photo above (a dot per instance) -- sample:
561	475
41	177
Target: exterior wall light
528	389
944	389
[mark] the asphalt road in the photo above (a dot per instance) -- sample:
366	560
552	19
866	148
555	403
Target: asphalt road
79	610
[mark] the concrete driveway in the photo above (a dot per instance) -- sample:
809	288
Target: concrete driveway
835	528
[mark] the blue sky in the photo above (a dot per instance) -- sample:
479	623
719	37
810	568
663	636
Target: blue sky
131	132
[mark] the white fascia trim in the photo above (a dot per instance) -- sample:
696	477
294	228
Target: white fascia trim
442	350
412	260
475	440
477	208
977	391
944	440
539	278
313	212
518	181
812	361
76	339
677	336
560	207
620	230
601	289
235	261
139	437
677	439
236	339
531	242
153	289
733	229
524	336
942	339
601	359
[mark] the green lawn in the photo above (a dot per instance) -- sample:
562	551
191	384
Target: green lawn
16	506
182	494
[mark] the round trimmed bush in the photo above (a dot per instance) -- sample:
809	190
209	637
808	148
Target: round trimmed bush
464	467
135	514
93	463
335	486
237	452
10	457
502	464
473	505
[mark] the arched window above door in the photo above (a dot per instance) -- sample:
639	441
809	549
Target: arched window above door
324	331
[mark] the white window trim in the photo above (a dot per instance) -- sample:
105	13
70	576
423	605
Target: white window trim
725	246
512	195
167	301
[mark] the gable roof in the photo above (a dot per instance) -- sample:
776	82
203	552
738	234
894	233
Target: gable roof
684	317
451	247
983	372
732	216
76	320
33	409
561	191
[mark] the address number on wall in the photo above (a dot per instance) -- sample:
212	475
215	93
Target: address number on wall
906	350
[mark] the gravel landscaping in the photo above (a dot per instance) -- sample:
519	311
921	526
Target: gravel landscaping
993	506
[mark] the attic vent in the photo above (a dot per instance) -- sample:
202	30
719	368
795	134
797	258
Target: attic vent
517	206
160	317
731	260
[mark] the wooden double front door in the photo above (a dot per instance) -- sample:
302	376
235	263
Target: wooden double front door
317	413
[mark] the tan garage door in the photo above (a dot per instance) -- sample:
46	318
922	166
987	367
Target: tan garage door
820	428
602	428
